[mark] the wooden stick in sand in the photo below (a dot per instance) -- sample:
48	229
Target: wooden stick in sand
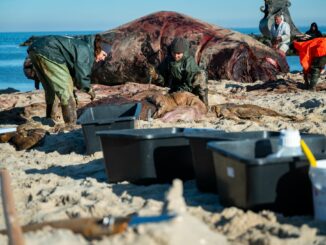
15	233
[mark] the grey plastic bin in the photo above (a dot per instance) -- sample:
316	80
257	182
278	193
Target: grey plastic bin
106	117
147	155
247	178
203	158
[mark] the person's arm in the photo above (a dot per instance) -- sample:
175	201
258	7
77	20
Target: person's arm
163	73
198	80
191	69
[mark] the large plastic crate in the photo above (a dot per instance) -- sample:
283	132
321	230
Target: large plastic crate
248	179
106	117
203	157
147	155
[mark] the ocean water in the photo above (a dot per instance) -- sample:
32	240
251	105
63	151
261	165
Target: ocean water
12	56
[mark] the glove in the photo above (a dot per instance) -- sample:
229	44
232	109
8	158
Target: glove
92	94
152	73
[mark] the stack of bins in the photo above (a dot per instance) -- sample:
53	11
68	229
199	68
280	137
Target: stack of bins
203	158
145	156
106	117
247	178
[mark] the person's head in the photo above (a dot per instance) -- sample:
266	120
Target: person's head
314	27
101	48
278	18
178	47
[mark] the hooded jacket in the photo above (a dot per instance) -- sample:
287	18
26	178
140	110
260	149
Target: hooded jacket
178	75
77	53
314	33
309	50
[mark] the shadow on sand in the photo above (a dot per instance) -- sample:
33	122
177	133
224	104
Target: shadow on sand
64	143
94	169
12	116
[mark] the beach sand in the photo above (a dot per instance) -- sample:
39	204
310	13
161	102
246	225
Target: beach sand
58	181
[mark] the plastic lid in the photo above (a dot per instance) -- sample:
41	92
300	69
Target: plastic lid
290	138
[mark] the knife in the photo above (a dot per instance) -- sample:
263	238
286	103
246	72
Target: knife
95	228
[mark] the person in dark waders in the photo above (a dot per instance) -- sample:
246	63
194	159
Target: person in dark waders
62	62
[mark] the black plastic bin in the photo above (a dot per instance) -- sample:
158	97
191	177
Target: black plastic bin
203	158
106	117
248	179
143	156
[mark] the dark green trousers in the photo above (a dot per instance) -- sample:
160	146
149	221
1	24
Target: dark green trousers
317	64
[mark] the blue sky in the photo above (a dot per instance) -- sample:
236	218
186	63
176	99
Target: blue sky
100	15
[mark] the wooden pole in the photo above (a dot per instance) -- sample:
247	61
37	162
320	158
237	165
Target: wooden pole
14	231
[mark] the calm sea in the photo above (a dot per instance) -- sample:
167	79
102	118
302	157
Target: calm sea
12	56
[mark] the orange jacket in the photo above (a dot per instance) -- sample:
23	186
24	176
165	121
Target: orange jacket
308	50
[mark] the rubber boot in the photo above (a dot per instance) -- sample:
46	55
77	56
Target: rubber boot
315	74
69	112
48	110
306	81
52	110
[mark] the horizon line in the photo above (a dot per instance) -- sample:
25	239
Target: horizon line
87	30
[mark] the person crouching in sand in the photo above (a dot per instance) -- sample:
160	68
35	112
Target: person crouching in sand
180	72
62	62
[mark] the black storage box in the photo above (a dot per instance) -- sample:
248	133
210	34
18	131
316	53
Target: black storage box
203	158
247	178
106	117
146	155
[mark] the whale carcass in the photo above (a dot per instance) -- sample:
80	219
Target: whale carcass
223	53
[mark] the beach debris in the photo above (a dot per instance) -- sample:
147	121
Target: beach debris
247	111
278	86
282	85
26	139
5	137
27	136
15	233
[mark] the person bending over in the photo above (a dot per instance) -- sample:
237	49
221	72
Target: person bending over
180	72
62	62
312	55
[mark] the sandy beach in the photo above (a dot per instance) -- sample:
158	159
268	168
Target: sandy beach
57	180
